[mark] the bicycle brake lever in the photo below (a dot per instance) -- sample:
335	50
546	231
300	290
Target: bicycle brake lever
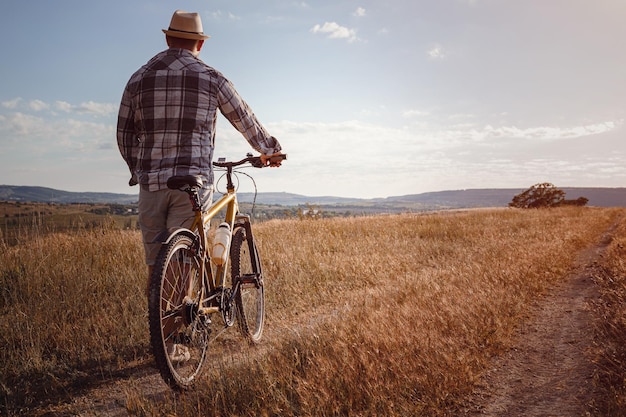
257	162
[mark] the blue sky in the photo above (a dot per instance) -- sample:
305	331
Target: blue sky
368	98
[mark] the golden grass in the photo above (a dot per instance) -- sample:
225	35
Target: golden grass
611	326
385	315
71	305
412	307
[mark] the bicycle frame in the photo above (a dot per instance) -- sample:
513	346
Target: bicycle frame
214	275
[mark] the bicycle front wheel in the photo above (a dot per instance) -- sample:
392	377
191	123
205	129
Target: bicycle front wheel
179	336
248	283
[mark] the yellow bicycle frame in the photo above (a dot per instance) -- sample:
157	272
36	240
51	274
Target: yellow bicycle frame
201	223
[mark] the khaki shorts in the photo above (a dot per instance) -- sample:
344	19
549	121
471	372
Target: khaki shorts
162	210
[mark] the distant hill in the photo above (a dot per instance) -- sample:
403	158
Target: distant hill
600	197
50	195
501	197
461	198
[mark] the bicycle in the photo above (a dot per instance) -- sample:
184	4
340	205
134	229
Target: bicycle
191	288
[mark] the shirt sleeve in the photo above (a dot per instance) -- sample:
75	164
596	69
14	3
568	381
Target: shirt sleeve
127	140
239	114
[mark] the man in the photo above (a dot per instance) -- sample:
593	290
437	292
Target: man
166	127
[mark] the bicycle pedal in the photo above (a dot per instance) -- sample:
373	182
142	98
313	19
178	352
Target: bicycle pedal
208	310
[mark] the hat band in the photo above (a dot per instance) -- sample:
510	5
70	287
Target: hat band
185	31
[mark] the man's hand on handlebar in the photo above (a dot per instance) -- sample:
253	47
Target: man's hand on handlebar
273	160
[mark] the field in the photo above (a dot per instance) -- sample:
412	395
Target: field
19	221
391	315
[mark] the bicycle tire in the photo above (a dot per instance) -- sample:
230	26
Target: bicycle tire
171	313
248	279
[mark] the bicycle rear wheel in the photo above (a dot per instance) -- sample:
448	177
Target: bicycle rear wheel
179	336
248	283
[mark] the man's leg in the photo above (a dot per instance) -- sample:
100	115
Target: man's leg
158	212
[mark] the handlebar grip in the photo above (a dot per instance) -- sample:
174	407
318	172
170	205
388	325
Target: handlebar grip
278	158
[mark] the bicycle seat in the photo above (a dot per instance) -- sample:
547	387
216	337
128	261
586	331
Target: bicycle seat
180	181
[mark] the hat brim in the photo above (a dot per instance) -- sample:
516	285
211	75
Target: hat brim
185	35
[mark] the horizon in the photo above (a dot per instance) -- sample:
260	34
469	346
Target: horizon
330	195
367	99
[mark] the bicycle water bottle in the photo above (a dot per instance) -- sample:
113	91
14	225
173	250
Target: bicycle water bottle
221	243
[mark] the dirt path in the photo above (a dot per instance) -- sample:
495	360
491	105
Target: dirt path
549	371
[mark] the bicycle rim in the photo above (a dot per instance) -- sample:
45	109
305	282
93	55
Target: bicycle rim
179	337
250	295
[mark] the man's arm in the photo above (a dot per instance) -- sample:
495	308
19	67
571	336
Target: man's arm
239	114
126	136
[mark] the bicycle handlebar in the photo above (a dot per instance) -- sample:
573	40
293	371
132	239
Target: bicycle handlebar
255	161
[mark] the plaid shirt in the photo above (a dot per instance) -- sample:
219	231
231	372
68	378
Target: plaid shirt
166	121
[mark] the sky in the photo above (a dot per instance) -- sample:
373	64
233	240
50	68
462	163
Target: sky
368	98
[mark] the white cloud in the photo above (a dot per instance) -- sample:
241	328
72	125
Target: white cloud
218	15
63	106
59	129
335	31
38	105
56	130
436	52
20	124
92	107
12	104
461	116
359	12
547	132
88	107
414	113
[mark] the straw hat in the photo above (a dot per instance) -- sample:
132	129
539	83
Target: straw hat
185	25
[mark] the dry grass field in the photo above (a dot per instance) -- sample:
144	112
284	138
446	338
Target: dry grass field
384	315
20	220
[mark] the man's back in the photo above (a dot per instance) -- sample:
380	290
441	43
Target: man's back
166	124
175	100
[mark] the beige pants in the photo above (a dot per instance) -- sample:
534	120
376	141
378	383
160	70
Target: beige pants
159	211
